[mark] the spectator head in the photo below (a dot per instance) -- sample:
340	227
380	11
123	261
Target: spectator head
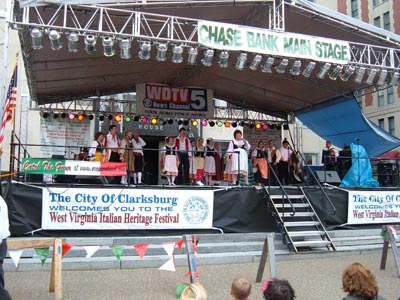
278	289
241	288
358	280
194	291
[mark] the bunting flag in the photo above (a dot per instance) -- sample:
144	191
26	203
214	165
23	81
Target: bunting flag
393	230
169	248
117	250
15	256
43	253
10	103
66	248
168	266
90	250
179	244
141	249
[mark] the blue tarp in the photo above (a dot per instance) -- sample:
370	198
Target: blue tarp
343	122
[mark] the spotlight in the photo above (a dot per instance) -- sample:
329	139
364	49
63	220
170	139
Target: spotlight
63	115
73	39
371	76
108	46
256	61
258	125
308	70
144	52
177	56
265	126
282	66
170	121
208	58
336	72
55	115
241	61
161	52
110	117
382	77
45	115
324	69
251	125
348	71
272	126
195	123
185	122
127	119
223	59
125	48
360	72
295	70
71	116
101	118
227	124
118	118
285	126
81	117
144	120
204	123
395	78
267	67
180	122
241	123
192	56
220	123
55	40
211	123
153	121
36	38
90	44
234	124
91	117
136	118
278	127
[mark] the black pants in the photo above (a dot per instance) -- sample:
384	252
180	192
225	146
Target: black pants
284	173
114	157
4	295
183	169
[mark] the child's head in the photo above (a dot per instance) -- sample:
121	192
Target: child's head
194	291
241	288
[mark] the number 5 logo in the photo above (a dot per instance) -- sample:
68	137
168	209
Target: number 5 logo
198	99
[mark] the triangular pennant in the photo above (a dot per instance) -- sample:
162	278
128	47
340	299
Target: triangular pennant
169	248
117	250
141	249
90	250
179	244
195	241
383	234
393	229
179	289
168	266
66	248
15	256
43	253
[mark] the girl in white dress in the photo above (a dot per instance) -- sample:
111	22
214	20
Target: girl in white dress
209	164
237	155
169	160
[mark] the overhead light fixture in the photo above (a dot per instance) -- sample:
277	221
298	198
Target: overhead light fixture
308	70
220	123
211	123
161	52
177	52
371	73
153	121
125	48
282	66
272	126
180	122
382	77
336	72
195	123
73	40
110	117
90	44
55	40
241	123
118	118
267	67
136	118
227	124
204	122
145	49
324	70
295	70
234	124
108	46
144	119
360	72
36	38
348	71
255	62
192	56
251	125
55	115
91	117
101	118
241	61
63	115
81	117
223	59
395	78
265	126
71	116
45	115
127	119
208	58
185	122
258	125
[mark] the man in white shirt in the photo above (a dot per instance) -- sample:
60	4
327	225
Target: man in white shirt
282	161
182	143
113	148
4	234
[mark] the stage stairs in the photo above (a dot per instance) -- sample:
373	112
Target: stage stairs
300	226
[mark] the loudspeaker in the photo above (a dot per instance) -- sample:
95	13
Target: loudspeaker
331	177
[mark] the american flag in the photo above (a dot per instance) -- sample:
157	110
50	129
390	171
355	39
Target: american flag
10	104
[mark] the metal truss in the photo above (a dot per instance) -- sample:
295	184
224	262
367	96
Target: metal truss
123	22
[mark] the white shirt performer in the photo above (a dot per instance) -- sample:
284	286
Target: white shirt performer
137	144
4	234
237	154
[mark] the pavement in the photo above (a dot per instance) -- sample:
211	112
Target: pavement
311	277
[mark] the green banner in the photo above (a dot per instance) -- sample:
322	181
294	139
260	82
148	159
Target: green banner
44	166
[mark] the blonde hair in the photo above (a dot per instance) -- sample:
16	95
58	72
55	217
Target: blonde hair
241	288
194	291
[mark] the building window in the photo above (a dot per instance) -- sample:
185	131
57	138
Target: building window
386	21
381	123
381	98
375	2
354	8
390	97
391	125
377	22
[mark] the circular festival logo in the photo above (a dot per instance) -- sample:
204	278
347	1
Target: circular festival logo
147	102
195	210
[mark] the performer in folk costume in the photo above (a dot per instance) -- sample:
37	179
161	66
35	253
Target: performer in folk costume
283	155
182	144
169	159
237	154
210	163
113	145
96	151
199	158
260	164
127	154
219	165
138	143
192	163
